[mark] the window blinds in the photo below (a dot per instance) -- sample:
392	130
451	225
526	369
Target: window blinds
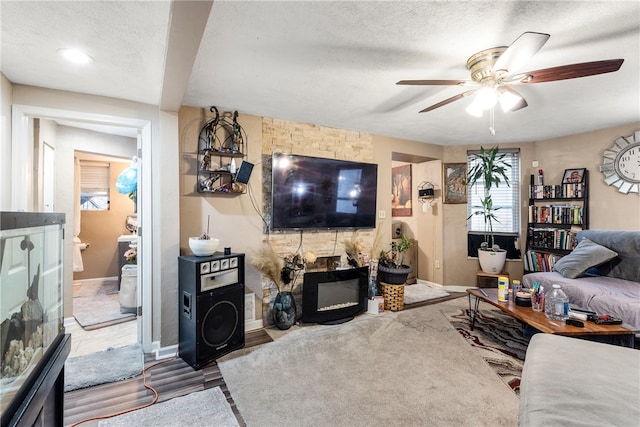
506	198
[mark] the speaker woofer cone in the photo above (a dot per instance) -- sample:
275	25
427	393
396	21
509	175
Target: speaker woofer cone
219	324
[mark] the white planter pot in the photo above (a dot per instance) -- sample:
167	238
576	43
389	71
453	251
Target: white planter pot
491	261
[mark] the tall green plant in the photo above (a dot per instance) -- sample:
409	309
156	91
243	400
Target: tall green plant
490	168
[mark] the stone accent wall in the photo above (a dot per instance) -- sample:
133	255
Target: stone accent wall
318	141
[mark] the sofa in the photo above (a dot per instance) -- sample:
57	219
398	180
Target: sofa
601	274
573	382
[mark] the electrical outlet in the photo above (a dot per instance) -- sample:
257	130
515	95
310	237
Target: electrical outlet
437	263
382	214
535	164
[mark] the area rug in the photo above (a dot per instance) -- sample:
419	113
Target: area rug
405	368
202	408
96	304
113	364
423	291
498	338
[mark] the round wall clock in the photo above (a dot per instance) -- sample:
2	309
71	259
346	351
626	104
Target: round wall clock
621	164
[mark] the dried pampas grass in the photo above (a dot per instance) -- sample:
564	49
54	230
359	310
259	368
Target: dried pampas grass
376	246
269	264
353	248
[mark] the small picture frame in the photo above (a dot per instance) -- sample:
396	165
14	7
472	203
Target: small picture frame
454	179
573	176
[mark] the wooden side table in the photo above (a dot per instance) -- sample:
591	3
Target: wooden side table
488	280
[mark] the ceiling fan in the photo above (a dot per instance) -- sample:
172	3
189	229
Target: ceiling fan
493	73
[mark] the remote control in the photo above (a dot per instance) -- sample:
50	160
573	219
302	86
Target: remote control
574	322
580	310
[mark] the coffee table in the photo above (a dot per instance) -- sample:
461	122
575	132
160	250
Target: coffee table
540	322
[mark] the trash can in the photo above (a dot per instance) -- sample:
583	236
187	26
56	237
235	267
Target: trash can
128	289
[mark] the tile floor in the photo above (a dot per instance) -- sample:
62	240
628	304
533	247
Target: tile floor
85	342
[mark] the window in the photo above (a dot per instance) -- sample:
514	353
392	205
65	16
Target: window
505	198
94	185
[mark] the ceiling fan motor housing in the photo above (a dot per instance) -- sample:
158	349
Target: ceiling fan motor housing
481	64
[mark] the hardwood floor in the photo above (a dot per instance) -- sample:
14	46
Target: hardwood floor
171	379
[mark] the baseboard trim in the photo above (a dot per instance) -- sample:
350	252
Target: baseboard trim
252	325
164	352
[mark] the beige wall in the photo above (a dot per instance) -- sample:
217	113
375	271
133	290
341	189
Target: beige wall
440	228
101	230
608	209
234	219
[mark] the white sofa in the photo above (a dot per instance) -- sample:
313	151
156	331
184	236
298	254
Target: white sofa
573	382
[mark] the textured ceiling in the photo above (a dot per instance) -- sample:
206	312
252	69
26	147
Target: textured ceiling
333	63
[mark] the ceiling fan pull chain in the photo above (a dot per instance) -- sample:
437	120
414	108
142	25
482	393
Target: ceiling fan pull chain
492	129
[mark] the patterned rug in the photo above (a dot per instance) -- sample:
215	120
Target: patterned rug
499	339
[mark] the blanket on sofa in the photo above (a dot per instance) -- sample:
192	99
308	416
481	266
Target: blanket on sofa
601	274
604	295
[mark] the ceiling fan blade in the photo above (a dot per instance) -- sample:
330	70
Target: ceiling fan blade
520	51
572	71
513	102
448	101
434	82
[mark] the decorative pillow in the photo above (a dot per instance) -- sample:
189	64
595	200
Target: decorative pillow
586	255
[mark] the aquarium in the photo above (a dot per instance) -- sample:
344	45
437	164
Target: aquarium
31	298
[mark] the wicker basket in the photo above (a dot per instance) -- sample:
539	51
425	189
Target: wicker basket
393	296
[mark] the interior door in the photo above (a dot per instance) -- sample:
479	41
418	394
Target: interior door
48	178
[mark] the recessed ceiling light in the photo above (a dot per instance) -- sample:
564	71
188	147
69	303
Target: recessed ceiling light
74	55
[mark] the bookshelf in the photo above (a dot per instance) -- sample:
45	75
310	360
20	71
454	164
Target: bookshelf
556	214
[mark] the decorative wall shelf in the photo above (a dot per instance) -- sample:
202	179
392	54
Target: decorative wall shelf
222	146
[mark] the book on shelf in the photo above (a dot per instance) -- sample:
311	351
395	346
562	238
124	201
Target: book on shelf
539	261
553	238
560	191
556	214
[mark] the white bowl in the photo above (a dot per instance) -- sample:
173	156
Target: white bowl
201	247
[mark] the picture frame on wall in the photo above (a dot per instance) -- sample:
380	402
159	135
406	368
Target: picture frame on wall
573	176
401	191
454	180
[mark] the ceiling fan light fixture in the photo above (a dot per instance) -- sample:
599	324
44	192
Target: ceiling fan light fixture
508	100
76	56
485	99
474	109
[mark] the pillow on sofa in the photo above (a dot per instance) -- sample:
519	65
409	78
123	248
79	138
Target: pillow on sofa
586	255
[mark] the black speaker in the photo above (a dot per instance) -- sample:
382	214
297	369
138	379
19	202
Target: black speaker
211	322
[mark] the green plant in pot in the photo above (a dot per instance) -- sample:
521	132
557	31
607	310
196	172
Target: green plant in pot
390	265
490	169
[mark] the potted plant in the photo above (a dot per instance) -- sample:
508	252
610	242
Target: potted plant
390	265
490	169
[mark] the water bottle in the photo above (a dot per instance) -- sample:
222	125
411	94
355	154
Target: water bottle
556	304
373	288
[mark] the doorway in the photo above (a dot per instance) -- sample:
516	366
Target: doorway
23	155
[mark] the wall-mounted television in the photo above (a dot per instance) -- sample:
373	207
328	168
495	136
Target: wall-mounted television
313	193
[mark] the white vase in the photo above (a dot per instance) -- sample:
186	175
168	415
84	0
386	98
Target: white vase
492	261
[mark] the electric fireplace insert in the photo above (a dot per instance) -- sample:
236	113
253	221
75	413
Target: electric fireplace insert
332	297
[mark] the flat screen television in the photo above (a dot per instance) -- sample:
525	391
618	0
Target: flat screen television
313	193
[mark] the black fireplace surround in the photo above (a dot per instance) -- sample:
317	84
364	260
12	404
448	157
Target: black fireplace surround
334	296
